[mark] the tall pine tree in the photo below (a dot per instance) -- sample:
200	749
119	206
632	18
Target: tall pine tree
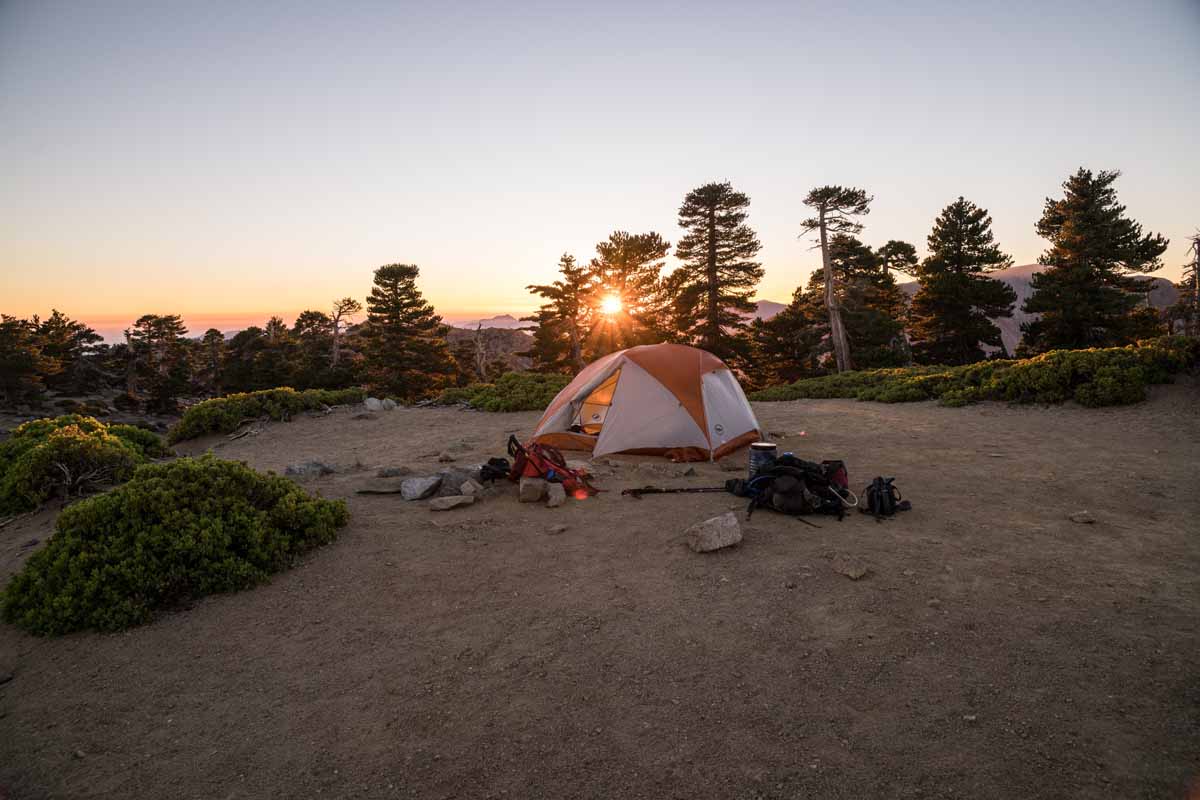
627	268
1088	296
952	312
563	321
836	208
712	289
407	356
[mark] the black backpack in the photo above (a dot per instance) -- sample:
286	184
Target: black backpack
882	499
795	486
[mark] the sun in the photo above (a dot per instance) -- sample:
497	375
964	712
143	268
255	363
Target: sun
611	304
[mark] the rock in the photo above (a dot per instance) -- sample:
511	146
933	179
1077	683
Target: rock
554	530
715	533
688	473
373	404
933	602
471	487
852	568
392	472
532	490
454	477
420	488
80	755
387	404
309	468
1082	517
453	501
363	415
556	495
731	465
446	458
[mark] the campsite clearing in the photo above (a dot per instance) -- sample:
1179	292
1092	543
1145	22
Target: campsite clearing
991	647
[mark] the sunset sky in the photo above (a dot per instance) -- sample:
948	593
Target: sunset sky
226	160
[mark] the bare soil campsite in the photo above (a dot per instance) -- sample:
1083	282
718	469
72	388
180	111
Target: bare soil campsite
1029	629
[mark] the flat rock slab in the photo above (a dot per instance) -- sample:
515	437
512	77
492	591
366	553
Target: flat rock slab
453	501
420	488
714	534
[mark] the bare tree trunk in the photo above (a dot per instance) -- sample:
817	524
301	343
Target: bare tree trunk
480	354
837	332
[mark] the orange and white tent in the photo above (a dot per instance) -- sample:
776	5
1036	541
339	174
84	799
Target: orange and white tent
660	399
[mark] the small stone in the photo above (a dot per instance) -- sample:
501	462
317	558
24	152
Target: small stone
970	717
790	585
453	501
446	458
556	495
387	404
731	465
715	533
80	754
373	404
689	472
1082	517
309	469
363	415
933	602
908	573
554	530
420	488
532	490
852	568
471	487
393	472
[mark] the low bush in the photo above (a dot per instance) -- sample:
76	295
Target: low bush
1096	377
176	531
69	455
225	414
512	391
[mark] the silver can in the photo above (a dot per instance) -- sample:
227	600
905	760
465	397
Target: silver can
762	456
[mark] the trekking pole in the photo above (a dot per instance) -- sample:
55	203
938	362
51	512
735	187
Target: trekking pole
637	493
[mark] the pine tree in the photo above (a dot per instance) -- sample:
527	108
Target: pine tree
836	208
312	356
343	310
563	322
788	346
627	267
159	351
712	290
873	306
23	365
407	356
951	314
1088	296
898	256
1185	314
209	369
71	344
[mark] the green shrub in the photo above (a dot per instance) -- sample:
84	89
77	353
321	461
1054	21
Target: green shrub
176	531
512	391
1097	377
225	414
69	455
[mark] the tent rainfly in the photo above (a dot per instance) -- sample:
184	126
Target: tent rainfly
660	399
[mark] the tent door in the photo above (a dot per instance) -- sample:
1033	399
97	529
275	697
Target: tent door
594	408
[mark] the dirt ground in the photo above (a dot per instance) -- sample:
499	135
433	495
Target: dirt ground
996	649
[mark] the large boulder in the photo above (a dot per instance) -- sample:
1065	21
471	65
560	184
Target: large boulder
387	404
715	533
373	404
453	478
420	488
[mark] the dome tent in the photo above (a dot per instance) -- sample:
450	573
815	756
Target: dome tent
660	399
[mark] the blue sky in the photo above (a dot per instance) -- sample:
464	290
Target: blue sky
228	158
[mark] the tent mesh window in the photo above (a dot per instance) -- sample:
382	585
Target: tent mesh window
593	410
